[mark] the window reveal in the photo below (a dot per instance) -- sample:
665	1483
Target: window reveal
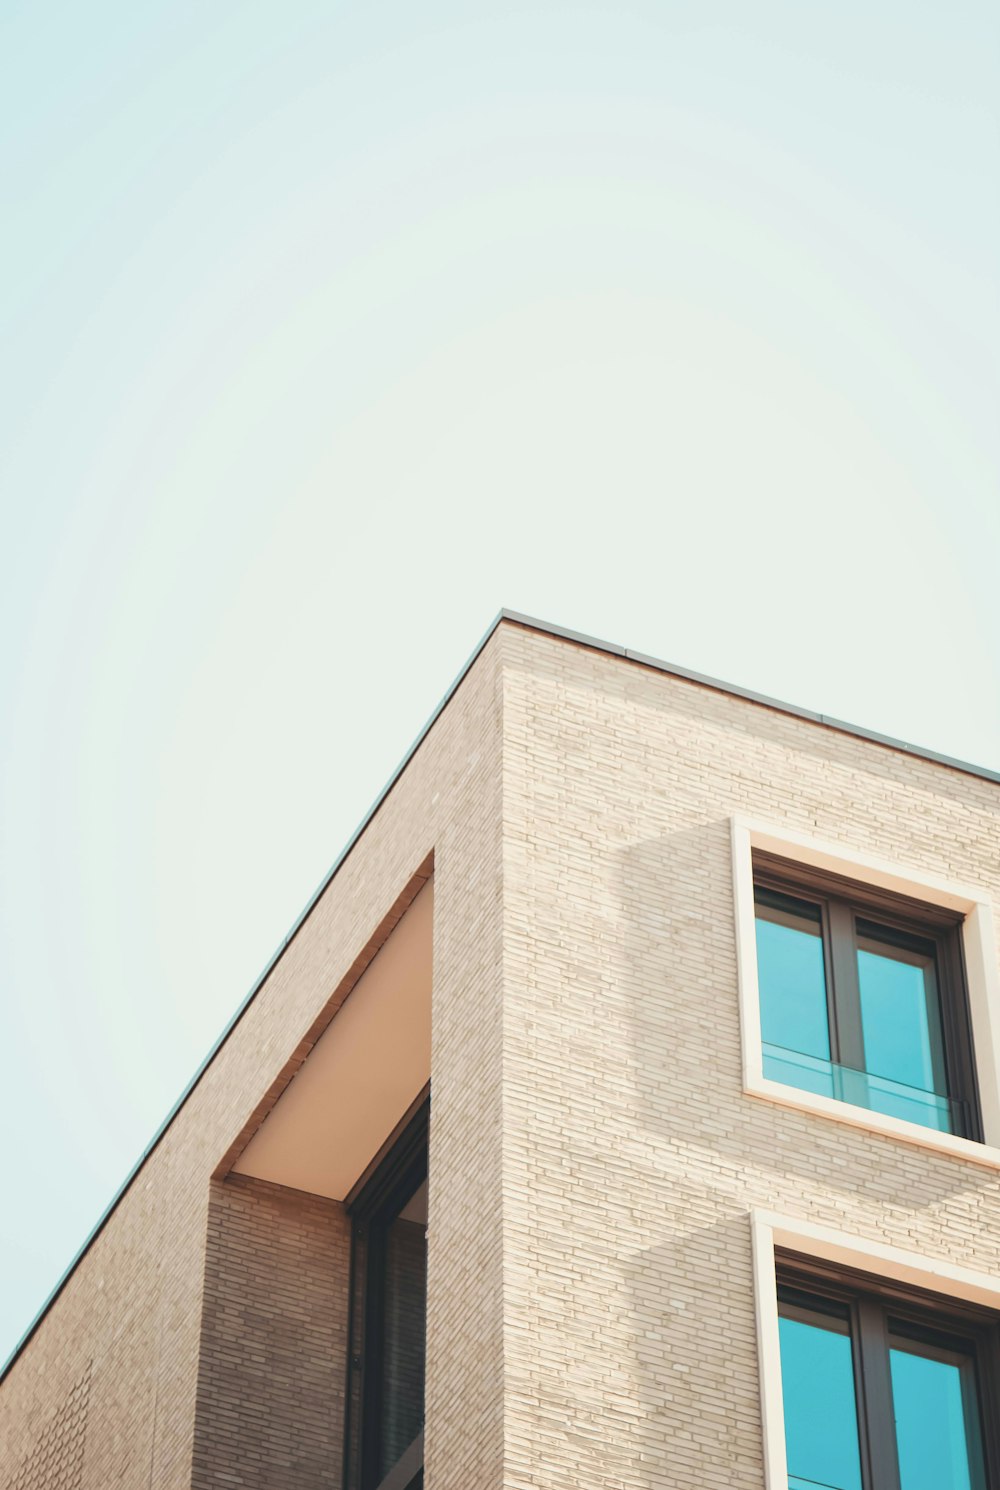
862	998
884	1393
388	1317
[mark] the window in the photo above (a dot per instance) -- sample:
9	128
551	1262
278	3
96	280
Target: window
862	997
884	1388
903	1041
388	1315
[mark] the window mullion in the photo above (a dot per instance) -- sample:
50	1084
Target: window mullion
846	991
876	1386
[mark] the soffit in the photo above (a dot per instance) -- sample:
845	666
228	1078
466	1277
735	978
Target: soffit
364	1072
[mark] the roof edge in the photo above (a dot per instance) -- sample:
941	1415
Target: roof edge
276	957
921	752
530	623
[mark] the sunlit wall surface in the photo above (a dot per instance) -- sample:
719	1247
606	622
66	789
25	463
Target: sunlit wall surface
330	328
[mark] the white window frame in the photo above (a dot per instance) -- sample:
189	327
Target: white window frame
826	1244
981	969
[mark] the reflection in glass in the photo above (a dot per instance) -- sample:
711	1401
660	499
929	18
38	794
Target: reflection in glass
901	1022
821	1420
938	1435
790	968
404	1330
809	1073
867	1030
877	1093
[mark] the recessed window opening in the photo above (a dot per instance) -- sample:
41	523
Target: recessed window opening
862	998
881	1391
389	1315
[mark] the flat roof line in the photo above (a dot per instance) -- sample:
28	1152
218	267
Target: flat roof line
671	668
530	623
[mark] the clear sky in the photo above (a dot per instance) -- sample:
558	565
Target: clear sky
327	329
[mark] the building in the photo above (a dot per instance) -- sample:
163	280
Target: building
706	990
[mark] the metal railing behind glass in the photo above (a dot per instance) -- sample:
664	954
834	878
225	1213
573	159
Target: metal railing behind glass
810	1073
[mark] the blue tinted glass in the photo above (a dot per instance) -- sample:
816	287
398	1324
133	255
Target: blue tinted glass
790	970
821	1421
899	1019
897	1100
932	1424
807	1072
877	1093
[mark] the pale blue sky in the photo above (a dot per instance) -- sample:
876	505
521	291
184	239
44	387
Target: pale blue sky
327	330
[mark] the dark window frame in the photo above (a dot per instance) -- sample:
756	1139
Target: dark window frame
398	1169
846	907
876	1311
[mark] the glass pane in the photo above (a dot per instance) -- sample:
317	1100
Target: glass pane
937	1422
877	1093
895	1099
821	1420
405	1308
792	977
809	1073
901	1024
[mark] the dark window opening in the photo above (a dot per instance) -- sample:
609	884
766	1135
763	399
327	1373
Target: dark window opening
884	1390
388	1315
862	998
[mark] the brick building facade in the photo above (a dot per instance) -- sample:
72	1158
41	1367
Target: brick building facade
637	1189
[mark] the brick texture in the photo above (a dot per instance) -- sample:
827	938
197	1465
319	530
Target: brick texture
133	1306
56	1461
273	1358
593	1157
631	1155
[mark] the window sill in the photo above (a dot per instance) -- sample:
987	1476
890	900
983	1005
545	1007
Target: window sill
981	967
873	1122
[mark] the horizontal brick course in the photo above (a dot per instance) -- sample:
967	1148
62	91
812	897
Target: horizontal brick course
631	1155
272	1365
593	1157
133	1306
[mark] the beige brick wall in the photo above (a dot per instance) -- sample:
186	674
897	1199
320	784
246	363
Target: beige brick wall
131	1314
593	1157
631	1156
273	1360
